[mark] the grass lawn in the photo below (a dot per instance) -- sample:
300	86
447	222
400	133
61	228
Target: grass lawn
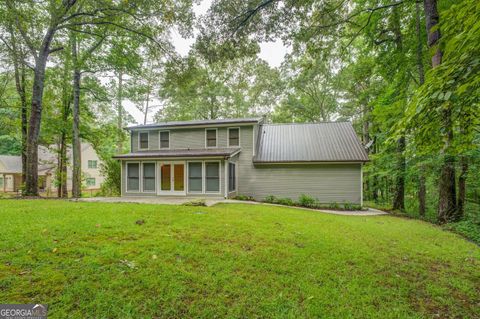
91	260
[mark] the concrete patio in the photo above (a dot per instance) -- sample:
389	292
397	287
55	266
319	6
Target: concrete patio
179	200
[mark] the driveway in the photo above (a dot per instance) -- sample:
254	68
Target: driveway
174	200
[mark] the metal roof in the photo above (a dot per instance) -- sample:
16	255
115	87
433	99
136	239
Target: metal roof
205	152
12	164
313	142
197	123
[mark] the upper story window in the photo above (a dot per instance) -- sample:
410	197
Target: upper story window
92	164
143	140
234	136
165	139
211	137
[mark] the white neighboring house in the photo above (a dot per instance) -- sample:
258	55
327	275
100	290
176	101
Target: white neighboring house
11	170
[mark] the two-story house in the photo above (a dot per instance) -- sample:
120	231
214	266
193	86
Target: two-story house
229	157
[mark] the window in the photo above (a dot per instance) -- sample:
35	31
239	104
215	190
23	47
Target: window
234	136
212	175
195	177
232	177
90	182
1	181
211	136
133	177
165	139
92	164
143	140
148	177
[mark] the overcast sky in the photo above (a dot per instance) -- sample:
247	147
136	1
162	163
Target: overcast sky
272	52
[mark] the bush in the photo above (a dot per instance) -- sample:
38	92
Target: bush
334	205
307	201
466	228
196	202
111	169
244	197
285	201
270	199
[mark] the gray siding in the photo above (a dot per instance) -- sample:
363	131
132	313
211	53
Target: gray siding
184	138
326	182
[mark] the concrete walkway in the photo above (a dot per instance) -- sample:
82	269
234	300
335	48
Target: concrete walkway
179	200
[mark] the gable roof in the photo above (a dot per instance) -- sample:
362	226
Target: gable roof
313	142
197	123
10	164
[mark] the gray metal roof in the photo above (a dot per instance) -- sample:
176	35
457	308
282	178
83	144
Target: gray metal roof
12	164
197	123
314	142
205	152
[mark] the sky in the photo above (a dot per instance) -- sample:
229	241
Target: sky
272	52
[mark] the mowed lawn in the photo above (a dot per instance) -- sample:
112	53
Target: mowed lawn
91	260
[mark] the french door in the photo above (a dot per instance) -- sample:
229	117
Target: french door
172	178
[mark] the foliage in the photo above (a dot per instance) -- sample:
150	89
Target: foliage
111	170
268	262
306	201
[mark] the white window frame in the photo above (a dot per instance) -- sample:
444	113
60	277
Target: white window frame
219	177
94	181
148	140
92	161
139	177
188	178
160	140
216	137
228	136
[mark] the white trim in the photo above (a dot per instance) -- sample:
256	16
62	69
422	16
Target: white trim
219	177
361	184
228	136
172	190
173	127
188	175
304	163
216	137
148	141
156	178
226	163
139	177
160	140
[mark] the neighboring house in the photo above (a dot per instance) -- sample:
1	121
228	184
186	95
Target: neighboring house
244	157
11	170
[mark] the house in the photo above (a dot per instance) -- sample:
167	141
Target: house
11	170
230	157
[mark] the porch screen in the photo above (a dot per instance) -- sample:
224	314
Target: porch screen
212	172
133	176
195	177
231	177
148	177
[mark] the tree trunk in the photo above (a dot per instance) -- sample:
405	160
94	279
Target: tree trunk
76	147
447	204
399	197
120	113
462	188
18	57
422	207
31	181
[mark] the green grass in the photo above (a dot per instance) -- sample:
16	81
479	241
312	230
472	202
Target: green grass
91	260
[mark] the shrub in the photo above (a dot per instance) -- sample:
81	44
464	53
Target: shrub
307	201
270	199
110	168
334	205
195	202
244	197
285	201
